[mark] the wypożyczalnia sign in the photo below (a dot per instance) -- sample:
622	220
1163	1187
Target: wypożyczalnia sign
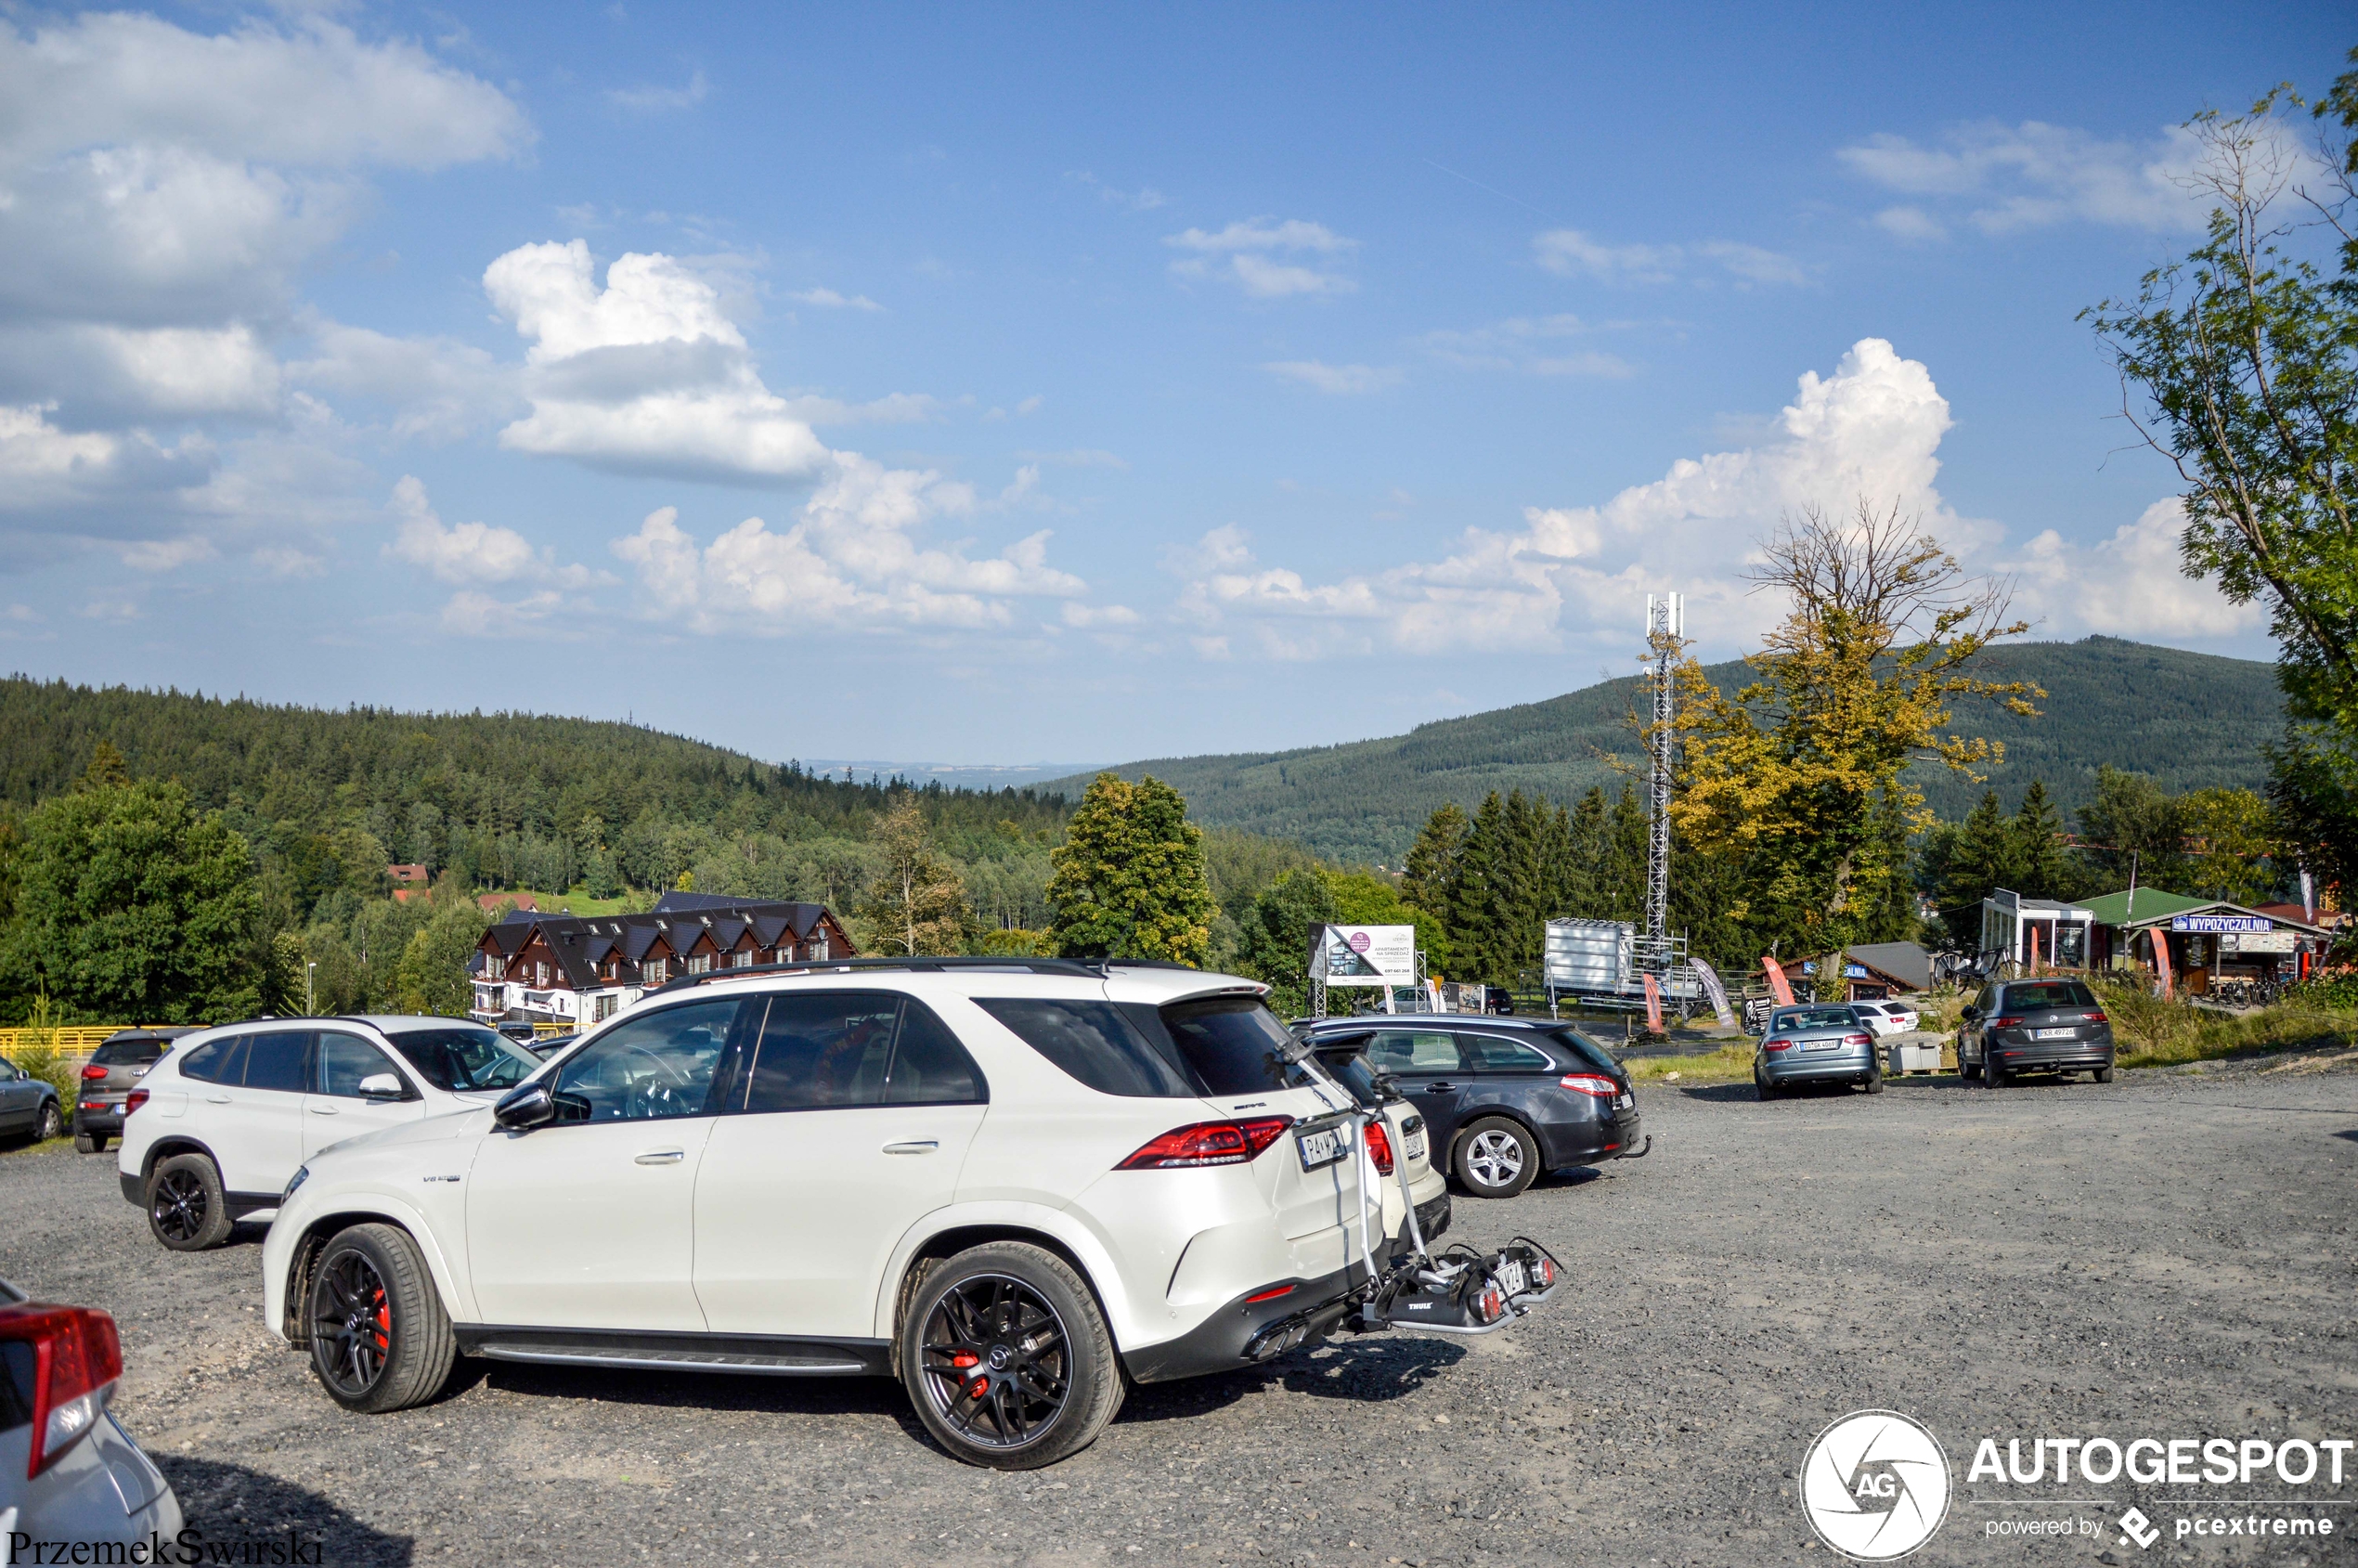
2221	923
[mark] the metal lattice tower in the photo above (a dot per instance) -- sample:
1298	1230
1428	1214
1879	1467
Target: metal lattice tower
1665	625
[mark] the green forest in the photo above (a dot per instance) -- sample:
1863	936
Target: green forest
2187	720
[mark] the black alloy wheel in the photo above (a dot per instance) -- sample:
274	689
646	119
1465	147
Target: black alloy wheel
997	1362
351	1325
186	1209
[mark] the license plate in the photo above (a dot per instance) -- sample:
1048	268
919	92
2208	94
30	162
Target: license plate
1510	1278
1825	1045
2054	1033
1321	1147
1624	1102
1417	1145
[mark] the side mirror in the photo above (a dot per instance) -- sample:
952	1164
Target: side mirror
381	1086
1969	1014
524	1108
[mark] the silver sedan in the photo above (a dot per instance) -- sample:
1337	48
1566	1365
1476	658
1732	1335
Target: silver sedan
68	1473
1826	1043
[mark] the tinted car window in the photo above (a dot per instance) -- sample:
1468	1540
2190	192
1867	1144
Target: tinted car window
455	1060
128	1053
279	1059
651	1068
216	1061
1487	1053
1094	1043
1587	1050
344	1060
2049	993
821	1049
929	1064
1418	1051
1815	1018
1231	1045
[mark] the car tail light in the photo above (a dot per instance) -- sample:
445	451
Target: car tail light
76	1359
2095	1019
134	1100
1859	1040
1209	1142
94	1070
1488	1303
2005	1023
1380	1147
1780	1045
1595	1083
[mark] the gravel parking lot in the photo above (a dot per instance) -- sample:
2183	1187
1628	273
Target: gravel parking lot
2172	1253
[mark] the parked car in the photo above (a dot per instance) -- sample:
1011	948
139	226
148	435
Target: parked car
28	1105
69	1472
212	1132
1888	1018
2034	1026
119	1063
1820	1042
1014	1183
1506	1098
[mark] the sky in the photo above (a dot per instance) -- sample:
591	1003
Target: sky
1009	385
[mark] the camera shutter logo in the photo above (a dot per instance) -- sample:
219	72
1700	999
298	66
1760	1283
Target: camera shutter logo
1875	1485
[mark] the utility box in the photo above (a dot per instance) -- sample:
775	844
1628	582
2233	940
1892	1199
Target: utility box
1902	1056
1589	957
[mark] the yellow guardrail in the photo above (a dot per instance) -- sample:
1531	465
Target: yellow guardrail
73	1042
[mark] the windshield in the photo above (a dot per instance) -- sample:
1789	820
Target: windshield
455	1060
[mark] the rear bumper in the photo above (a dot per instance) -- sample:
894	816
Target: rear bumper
98	1119
1217	1344
1820	1066
1591	1141
2054	1053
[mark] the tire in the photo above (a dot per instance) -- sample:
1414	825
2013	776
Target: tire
1875	1084
49	1125
379	1340
90	1143
187	1208
1966	1071
1992	1074
1762	1088
1496	1158
2104	1075
983	1395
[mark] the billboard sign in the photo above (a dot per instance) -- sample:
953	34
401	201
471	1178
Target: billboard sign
1370	955
2222	923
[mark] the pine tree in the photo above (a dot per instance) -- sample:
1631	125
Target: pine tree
1983	855
2044	870
1430	874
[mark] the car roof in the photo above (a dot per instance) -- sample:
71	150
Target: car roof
1438	1021
1126	980
396	1023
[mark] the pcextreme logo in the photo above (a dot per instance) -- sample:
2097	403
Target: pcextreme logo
1875	1485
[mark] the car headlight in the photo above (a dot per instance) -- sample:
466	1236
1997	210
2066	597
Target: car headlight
303	1174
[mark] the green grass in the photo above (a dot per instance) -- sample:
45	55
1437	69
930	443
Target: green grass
2148	1032
579	904
1726	1065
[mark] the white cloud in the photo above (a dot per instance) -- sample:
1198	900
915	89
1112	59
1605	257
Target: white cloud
2001	178
166	555
645	376
1345	379
432	389
475	614
1537	345
2130	585
1569	252
1083	616
650	99
1145	198
1244	253
52	473
1873	428
471	552
850	559
827	299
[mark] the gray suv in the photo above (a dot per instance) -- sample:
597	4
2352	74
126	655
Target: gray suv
1825	1042
2034	1026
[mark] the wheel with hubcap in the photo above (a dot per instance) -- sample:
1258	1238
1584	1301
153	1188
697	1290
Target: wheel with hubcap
379	1340
1007	1358
1496	1158
187	1208
50	1125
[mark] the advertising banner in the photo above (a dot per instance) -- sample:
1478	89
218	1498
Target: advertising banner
1779	986
2214	925
1368	955
1653	1004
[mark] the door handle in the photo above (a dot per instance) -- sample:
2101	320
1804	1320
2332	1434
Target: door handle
663	1156
216	1099
914	1145
1441	1088
323	1110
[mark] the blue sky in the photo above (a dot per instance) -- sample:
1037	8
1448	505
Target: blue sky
1105	382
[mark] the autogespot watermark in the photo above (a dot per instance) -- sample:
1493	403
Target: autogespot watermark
1875	1485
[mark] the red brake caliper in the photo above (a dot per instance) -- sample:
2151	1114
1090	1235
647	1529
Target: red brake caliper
384	1323
965	1359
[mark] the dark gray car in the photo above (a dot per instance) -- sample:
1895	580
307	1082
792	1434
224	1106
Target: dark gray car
1823	1043
114	1069
28	1105
2034	1026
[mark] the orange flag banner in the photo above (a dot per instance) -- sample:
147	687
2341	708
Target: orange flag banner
2034	949
1653	1004
2161	960
1778	986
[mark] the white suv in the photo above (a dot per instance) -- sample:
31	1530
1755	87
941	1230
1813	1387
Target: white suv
1005	1181
214	1131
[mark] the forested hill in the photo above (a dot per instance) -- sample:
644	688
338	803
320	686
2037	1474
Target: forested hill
2191	720
490	795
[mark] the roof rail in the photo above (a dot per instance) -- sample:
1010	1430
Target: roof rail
1078	969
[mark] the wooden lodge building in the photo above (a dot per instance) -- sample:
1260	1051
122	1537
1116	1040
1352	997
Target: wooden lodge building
581	969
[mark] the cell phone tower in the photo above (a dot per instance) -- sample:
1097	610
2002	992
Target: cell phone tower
1665	625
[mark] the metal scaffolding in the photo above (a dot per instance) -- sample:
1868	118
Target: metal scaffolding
1665	626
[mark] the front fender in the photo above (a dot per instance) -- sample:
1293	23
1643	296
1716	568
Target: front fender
350	1203
1068	1232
